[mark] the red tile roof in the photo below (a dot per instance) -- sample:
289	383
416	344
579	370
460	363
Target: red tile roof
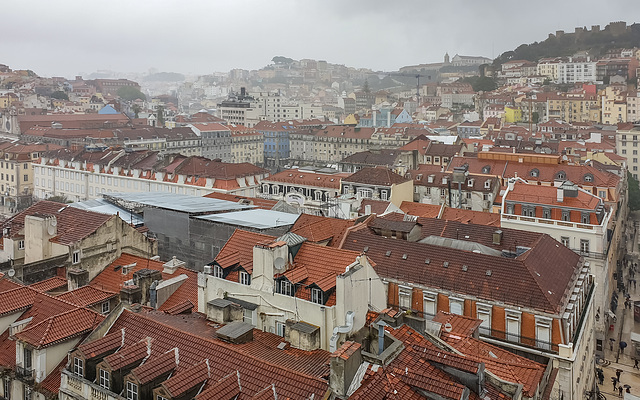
87	296
239	249
376	176
7	284
16	299
108	343
73	224
156	367
377	206
420	209
470	216
547	195
318	229
130	354
225	388
52	381
187	379
298	177
57	282
460	324
60	327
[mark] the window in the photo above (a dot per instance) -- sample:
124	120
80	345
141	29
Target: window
365	193
584	246
245	278
217	271
21	245
280	328
317	296
285	287
104	379
584	218
543	333
443	192
383	195
105	307
132	391
78	366
484	315
456	306
6	383
546	213
247	316
565	241
566	216
404	297
602	194
513	326
26	178
76	257
429	191
430	303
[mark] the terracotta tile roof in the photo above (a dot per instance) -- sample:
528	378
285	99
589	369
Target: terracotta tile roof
187	379
460	324
307	178
239	249
60	327
382	157
185	306
547	195
87	296
16	299
376	176
377	206
284	368
319	229
226	388
131	354
470	216
421	209
7	284
57	282
156	367
108	343
52	381
111	279
73	224
539	278
346	350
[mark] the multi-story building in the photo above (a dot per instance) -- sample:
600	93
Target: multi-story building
576	70
613	104
627	146
574	217
247	145
83	174
276	141
216	141
378	184
528	304
633	107
310	191
548	67
571	107
286	284
608	67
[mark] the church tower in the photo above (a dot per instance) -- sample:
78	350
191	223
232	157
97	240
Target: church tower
446	58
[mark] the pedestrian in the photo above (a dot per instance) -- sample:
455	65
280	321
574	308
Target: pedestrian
618	372
601	377
620	391
611	343
634	284
614	380
628	390
635	364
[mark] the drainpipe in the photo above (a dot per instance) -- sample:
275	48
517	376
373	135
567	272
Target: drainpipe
333	345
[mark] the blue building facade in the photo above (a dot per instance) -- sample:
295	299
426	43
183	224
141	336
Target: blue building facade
276	142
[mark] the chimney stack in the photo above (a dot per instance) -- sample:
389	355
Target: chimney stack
560	194
344	364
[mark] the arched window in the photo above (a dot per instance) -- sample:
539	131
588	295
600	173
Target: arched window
588	178
561	175
534	173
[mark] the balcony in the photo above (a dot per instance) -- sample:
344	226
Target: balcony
80	388
24	373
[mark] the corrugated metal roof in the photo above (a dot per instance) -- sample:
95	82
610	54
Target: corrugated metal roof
259	219
104	207
180	202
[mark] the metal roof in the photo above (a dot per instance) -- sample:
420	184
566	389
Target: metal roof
258	218
179	202
104	207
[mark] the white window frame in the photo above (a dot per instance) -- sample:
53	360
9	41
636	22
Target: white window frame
484	309
430	299
543	323
132	391
104	379
247	316
78	366
317	296
285	288
384	195
404	297
280	328
75	257
458	301
584	246
105	307
245	278
218	272
566	241
20	244
513	315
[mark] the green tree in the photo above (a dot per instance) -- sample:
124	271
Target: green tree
59	199
634	192
58	94
160	116
535	117
136	110
282	60
365	87
130	93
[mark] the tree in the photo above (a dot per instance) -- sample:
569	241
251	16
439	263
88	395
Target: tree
546	81
282	60
59	199
58	94
160	116
365	87
535	117
136	110
634	192
130	93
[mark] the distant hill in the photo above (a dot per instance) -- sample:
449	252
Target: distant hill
594	41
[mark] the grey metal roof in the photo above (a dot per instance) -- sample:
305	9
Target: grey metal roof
304	327
179	202
258	218
219	302
461	245
104	207
291	239
243	303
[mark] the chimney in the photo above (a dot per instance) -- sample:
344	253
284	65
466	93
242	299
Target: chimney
144	279
77	278
344	364
497	237
172	265
560	194
130	294
511	183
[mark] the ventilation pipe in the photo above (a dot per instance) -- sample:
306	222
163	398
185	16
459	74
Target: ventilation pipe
333	342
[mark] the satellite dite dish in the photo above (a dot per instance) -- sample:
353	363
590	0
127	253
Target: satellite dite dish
448	327
279	263
11	273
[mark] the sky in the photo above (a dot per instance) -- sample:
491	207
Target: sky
70	37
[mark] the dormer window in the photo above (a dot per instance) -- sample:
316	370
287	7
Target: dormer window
78	366
487	184
285	287
584	218
217	271
566	215
588	178
486	169
561	175
132	391
534	173
104	379
317	296
245	278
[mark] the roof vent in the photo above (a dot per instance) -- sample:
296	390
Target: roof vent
366	248
388	253
427	261
465	268
445	264
404	256
488	272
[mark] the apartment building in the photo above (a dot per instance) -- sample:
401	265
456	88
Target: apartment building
215	139
627	146
247	145
83	174
575	70
378	184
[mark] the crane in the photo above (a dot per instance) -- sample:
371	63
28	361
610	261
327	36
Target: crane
417	76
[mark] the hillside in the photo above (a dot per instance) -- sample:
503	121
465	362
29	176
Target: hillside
596	42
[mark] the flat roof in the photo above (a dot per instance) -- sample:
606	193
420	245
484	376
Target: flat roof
179	202
104	207
258	218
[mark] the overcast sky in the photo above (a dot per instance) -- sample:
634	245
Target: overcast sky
65	37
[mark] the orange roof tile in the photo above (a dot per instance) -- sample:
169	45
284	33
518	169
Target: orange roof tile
57	282
87	296
60	327
420	209
187	379
156	367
